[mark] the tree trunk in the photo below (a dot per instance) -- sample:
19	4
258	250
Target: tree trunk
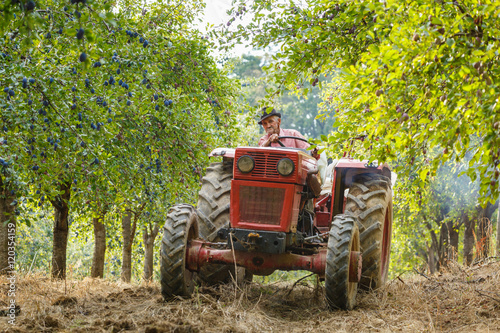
448	243
443	247
60	231
126	275
99	247
128	233
498	231
468	253
433	250
483	237
453	236
7	229
430	259
422	252
149	242
484	229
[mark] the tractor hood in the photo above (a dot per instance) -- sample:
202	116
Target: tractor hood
265	164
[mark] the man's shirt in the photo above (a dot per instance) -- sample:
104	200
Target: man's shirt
292	143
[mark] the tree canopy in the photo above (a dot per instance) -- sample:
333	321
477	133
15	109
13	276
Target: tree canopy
107	106
103	96
418	80
298	111
113	106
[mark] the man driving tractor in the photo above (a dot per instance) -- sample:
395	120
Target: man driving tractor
271	122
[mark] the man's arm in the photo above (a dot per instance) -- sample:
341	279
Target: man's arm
266	142
302	144
298	143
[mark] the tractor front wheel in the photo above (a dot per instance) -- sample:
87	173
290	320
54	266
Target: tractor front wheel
180	228
343	245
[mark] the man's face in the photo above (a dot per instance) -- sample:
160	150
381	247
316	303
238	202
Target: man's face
272	125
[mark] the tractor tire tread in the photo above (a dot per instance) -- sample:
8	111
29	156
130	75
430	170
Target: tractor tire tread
214	199
338	295
213	207
173	249
370	199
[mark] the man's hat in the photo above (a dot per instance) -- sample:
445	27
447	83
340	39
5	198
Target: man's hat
267	114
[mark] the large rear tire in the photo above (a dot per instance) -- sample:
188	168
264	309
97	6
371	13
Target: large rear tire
181	227
343	239
370	200
213	209
214	199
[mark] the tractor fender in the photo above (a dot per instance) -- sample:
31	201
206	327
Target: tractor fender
224	152
358	166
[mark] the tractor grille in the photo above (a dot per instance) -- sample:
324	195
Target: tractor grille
261	204
265	165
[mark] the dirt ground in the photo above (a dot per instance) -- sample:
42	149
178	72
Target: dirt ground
462	300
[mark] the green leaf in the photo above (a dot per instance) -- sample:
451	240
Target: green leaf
423	174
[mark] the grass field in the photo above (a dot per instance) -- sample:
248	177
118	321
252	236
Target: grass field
460	300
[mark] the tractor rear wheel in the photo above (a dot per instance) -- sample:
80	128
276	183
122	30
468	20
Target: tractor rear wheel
181	227
343	240
370	200
214	199
213	209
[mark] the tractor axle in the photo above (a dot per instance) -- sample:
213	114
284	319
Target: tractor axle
200	253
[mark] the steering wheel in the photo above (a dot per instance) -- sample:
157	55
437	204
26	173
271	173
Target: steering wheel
290	137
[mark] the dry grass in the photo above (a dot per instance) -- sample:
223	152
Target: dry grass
461	300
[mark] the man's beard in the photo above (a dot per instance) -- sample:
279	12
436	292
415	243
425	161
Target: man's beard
271	131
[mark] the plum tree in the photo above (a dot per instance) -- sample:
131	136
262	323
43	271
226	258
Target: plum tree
437	62
61	147
417	81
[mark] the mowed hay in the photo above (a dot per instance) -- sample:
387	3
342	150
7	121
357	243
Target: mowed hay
461	300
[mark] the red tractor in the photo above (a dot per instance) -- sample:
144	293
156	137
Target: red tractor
263	209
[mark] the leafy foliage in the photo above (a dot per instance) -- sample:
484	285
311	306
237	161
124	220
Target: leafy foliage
103	96
298	111
415	81
415	75
122	100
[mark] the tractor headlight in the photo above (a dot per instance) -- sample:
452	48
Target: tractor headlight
285	167
245	163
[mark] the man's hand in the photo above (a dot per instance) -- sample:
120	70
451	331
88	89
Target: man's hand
314	153
272	138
